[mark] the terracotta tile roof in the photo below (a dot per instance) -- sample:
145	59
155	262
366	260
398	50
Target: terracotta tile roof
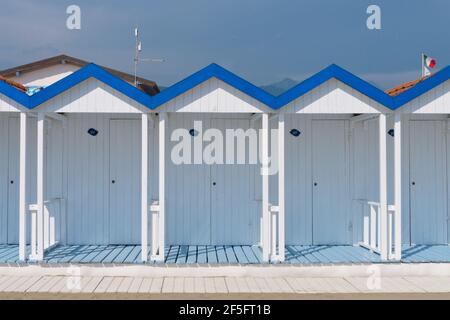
405	86
14	84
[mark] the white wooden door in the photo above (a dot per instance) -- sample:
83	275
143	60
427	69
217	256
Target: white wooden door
188	187
330	181
298	175
3	179
234	214
13	181
125	179
428	182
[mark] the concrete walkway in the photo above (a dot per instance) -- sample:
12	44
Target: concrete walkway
12	286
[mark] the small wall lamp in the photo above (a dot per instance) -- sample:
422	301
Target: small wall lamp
193	132
93	132
391	132
295	132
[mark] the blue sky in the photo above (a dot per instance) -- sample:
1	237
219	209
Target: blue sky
263	41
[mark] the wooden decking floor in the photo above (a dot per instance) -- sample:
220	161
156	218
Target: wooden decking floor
119	254
131	254
329	255
426	253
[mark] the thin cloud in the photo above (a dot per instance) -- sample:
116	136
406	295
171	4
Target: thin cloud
263	41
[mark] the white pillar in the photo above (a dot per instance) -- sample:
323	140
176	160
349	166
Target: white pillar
144	187
383	188
265	188
162	184
281	186
40	186
398	185
23	187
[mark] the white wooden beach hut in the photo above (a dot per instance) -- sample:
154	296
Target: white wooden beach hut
424	125
70	167
211	207
104	139
352	184
336	146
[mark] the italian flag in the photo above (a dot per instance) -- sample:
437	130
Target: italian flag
429	62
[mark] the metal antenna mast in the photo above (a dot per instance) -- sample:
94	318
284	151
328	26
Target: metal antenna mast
137	54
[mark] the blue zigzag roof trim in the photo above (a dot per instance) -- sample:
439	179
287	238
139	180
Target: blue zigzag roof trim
89	71
421	88
216	71
14	94
333	71
213	71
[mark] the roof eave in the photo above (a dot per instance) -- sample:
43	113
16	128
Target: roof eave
421	88
338	73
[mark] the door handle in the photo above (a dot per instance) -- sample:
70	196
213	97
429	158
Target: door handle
113	181
12	181
214	183
315	184
413	183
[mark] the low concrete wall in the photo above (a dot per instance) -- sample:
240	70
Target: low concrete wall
386	270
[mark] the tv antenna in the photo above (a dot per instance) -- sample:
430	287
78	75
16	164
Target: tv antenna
137	55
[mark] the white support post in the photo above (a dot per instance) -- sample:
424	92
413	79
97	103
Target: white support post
281	188
390	234
273	235
40	186
22	187
373	227
383	189
265	188
162	184
33	235
366	229
144	188
398	186
154	209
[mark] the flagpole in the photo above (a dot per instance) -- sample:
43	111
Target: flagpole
423	66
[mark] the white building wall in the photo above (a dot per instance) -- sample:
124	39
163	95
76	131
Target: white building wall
363	171
406	180
366	168
191	196
83	173
435	101
298	190
45	76
92	96
433	105
333	97
8	105
216	96
88	176
54	177
9	171
3	177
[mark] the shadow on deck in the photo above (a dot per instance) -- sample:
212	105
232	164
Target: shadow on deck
243	255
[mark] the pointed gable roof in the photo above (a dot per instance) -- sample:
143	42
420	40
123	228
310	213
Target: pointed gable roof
336	72
216	71
89	71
